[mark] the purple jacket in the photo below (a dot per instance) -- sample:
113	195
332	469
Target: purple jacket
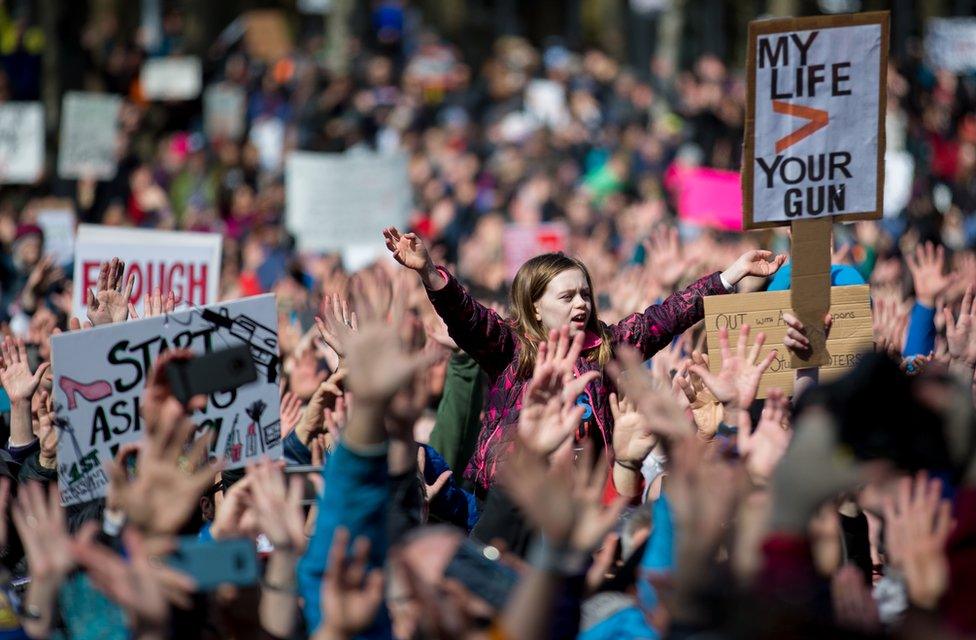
491	341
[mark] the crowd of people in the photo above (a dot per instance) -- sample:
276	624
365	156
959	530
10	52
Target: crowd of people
545	456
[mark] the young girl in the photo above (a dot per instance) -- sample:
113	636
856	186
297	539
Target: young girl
549	292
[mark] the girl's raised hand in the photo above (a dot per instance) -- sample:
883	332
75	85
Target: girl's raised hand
408	249
758	262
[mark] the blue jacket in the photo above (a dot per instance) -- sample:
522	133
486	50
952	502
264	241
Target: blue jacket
452	504
357	495
841	275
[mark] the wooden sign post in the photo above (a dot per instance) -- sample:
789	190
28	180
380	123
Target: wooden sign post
814	143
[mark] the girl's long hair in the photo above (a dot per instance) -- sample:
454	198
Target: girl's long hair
530	283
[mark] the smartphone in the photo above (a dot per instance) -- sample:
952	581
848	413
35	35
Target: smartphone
309	495
490	580
210	373
214	562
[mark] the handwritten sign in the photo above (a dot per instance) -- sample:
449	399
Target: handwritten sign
188	264
336	201
21	142
100	375
815	118
171	78
850	336
89	136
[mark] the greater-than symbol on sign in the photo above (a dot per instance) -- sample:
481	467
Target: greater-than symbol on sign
818	120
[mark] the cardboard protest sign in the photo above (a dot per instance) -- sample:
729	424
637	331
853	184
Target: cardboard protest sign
814	141
950	43
188	264
521	242
338	201
706	197
21	142
171	78
223	111
850	336
100	375
56	217
88	141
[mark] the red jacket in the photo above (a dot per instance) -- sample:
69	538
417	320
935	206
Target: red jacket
492	342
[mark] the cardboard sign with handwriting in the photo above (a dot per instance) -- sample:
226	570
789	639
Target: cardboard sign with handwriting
850	336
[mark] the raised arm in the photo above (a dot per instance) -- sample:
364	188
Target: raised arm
476	329
651	330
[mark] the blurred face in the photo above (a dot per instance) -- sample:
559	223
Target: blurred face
567	300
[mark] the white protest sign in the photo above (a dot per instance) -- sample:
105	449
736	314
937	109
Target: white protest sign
21	142
100	375
88	141
57	219
336	200
171	78
950	43
815	122
188	264
223	111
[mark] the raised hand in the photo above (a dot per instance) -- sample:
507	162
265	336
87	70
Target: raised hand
109	303
378	366
337	324
737	382
927	267
961	332
410	251
572	515
291	412
633	438
664	415
351	597
154	305
706	410
40	522
47	434
549	411
167	484
431	490
758	262
665	259
18	381
764	448
142	586
917	524
277	507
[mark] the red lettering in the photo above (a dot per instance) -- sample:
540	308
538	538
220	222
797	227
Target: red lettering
176	280
88	278
197	281
138	281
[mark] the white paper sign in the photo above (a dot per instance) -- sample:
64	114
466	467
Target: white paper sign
815	147
950	43
188	264
223	111
337	200
100	375
21	142
59	233
171	78
88	142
